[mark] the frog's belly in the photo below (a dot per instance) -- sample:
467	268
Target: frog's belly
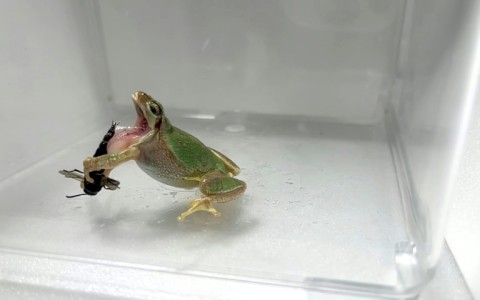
161	167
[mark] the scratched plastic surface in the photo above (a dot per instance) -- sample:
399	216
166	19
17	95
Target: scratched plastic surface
319	197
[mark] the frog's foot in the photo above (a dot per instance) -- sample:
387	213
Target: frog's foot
217	187
87	167
194	202
203	203
108	161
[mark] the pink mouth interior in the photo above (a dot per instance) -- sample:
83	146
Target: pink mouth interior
125	137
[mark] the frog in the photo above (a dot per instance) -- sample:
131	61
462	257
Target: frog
171	156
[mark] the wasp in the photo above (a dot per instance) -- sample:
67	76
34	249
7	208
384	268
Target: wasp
99	179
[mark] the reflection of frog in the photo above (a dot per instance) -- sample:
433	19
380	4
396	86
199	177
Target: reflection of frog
172	156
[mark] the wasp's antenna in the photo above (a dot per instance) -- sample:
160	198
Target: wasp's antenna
73	196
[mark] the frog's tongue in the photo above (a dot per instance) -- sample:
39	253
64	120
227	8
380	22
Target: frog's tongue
125	137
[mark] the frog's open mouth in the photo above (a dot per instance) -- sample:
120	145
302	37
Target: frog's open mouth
141	124
127	136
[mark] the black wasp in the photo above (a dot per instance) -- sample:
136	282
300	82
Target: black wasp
99	179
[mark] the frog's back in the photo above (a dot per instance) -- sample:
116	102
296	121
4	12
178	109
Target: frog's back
195	156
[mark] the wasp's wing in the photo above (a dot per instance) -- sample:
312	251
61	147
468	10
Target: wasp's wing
74	174
111	184
107	182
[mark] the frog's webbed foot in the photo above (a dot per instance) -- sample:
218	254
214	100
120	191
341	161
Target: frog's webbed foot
199	204
217	187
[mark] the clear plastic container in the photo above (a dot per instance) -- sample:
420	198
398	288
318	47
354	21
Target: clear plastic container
346	117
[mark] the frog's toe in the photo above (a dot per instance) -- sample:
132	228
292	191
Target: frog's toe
87	177
199	205
215	213
194	202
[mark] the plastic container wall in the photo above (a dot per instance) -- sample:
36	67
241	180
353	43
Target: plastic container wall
53	84
296	91
334	56
438	84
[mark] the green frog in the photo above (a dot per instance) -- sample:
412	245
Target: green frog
171	156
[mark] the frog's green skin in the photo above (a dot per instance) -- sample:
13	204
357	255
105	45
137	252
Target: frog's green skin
172	156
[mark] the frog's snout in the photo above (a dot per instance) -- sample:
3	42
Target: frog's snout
140	98
137	95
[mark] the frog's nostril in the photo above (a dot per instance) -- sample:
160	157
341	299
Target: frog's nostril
138	94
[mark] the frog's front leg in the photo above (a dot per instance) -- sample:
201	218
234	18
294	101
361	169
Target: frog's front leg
108	161
217	187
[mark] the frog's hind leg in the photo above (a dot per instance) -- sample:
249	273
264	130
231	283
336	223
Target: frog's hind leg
229	164
217	187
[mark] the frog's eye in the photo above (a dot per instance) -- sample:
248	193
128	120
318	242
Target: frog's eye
155	109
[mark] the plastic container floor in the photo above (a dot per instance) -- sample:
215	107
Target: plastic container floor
322	202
